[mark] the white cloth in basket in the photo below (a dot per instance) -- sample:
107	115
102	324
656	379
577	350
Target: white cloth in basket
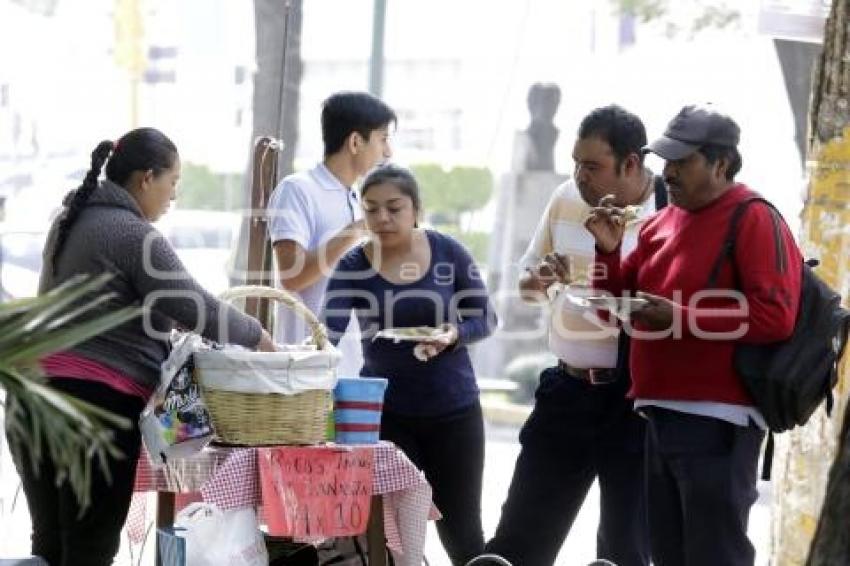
287	373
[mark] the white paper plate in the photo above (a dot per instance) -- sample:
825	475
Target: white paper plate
621	307
617	303
409	334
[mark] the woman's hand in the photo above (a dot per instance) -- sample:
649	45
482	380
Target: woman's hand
433	345
266	344
607	224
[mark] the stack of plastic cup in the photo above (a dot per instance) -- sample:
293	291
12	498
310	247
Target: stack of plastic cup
358	402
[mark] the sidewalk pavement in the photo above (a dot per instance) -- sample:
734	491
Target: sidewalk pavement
499	411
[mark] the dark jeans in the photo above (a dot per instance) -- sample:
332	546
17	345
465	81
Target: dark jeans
449	449
576	433
701	484
61	535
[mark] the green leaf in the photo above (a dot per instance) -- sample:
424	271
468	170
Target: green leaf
48	305
45	421
18	306
76	313
58	340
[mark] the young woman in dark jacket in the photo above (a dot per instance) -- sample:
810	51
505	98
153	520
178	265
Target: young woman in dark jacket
405	276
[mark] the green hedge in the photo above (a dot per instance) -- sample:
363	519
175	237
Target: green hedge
200	188
478	243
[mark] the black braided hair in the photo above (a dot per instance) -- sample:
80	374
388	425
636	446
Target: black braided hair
78	201
142	149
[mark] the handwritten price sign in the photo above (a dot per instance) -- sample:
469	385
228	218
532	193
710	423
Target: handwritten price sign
313	492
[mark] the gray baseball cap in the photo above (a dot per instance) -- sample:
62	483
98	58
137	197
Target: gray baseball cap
693	127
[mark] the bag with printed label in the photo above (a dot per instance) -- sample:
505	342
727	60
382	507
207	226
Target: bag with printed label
176	422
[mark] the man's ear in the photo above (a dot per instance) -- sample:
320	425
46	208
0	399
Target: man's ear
631	164
354	142
720	168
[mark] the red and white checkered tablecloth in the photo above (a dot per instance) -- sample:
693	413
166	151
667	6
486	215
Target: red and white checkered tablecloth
229	478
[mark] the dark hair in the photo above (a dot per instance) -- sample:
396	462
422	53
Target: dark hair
344	113
400	177
142	149
714	152
617	127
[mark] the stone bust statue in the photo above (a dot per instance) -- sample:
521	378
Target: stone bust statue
541	134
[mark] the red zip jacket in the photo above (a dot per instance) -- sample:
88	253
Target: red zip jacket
674	257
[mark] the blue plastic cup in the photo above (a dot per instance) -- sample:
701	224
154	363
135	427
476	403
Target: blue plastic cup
358	402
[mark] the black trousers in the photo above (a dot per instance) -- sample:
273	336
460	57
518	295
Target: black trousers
449	449
61	535
576	433
701	483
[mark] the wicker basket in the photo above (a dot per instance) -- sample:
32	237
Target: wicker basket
271	418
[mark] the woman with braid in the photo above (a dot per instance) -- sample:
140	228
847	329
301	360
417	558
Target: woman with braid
106	227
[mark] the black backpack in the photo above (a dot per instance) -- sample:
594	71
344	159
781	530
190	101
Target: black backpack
624	343
788	380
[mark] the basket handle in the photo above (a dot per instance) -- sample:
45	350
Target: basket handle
317	329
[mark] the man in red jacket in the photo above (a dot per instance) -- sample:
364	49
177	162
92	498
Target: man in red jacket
704	433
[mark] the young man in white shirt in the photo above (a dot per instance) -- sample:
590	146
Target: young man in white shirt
315	217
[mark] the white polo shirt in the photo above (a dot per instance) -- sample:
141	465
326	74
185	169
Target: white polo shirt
577	336
310	208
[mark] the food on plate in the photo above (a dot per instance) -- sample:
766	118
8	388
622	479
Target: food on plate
411	333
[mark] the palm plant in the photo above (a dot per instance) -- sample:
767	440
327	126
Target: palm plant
74	433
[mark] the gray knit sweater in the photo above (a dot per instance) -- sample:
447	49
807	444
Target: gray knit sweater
111	234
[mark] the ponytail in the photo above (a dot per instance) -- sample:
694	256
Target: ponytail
81	196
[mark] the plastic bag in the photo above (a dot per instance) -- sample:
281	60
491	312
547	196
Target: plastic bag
176	422
172	546
222	538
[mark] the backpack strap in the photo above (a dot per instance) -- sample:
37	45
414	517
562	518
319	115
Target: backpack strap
727	251
660	192
767	462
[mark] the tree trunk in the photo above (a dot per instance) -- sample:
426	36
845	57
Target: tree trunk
831	544
277	84
802	471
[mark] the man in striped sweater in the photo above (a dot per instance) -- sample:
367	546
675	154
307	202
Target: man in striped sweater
582	428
